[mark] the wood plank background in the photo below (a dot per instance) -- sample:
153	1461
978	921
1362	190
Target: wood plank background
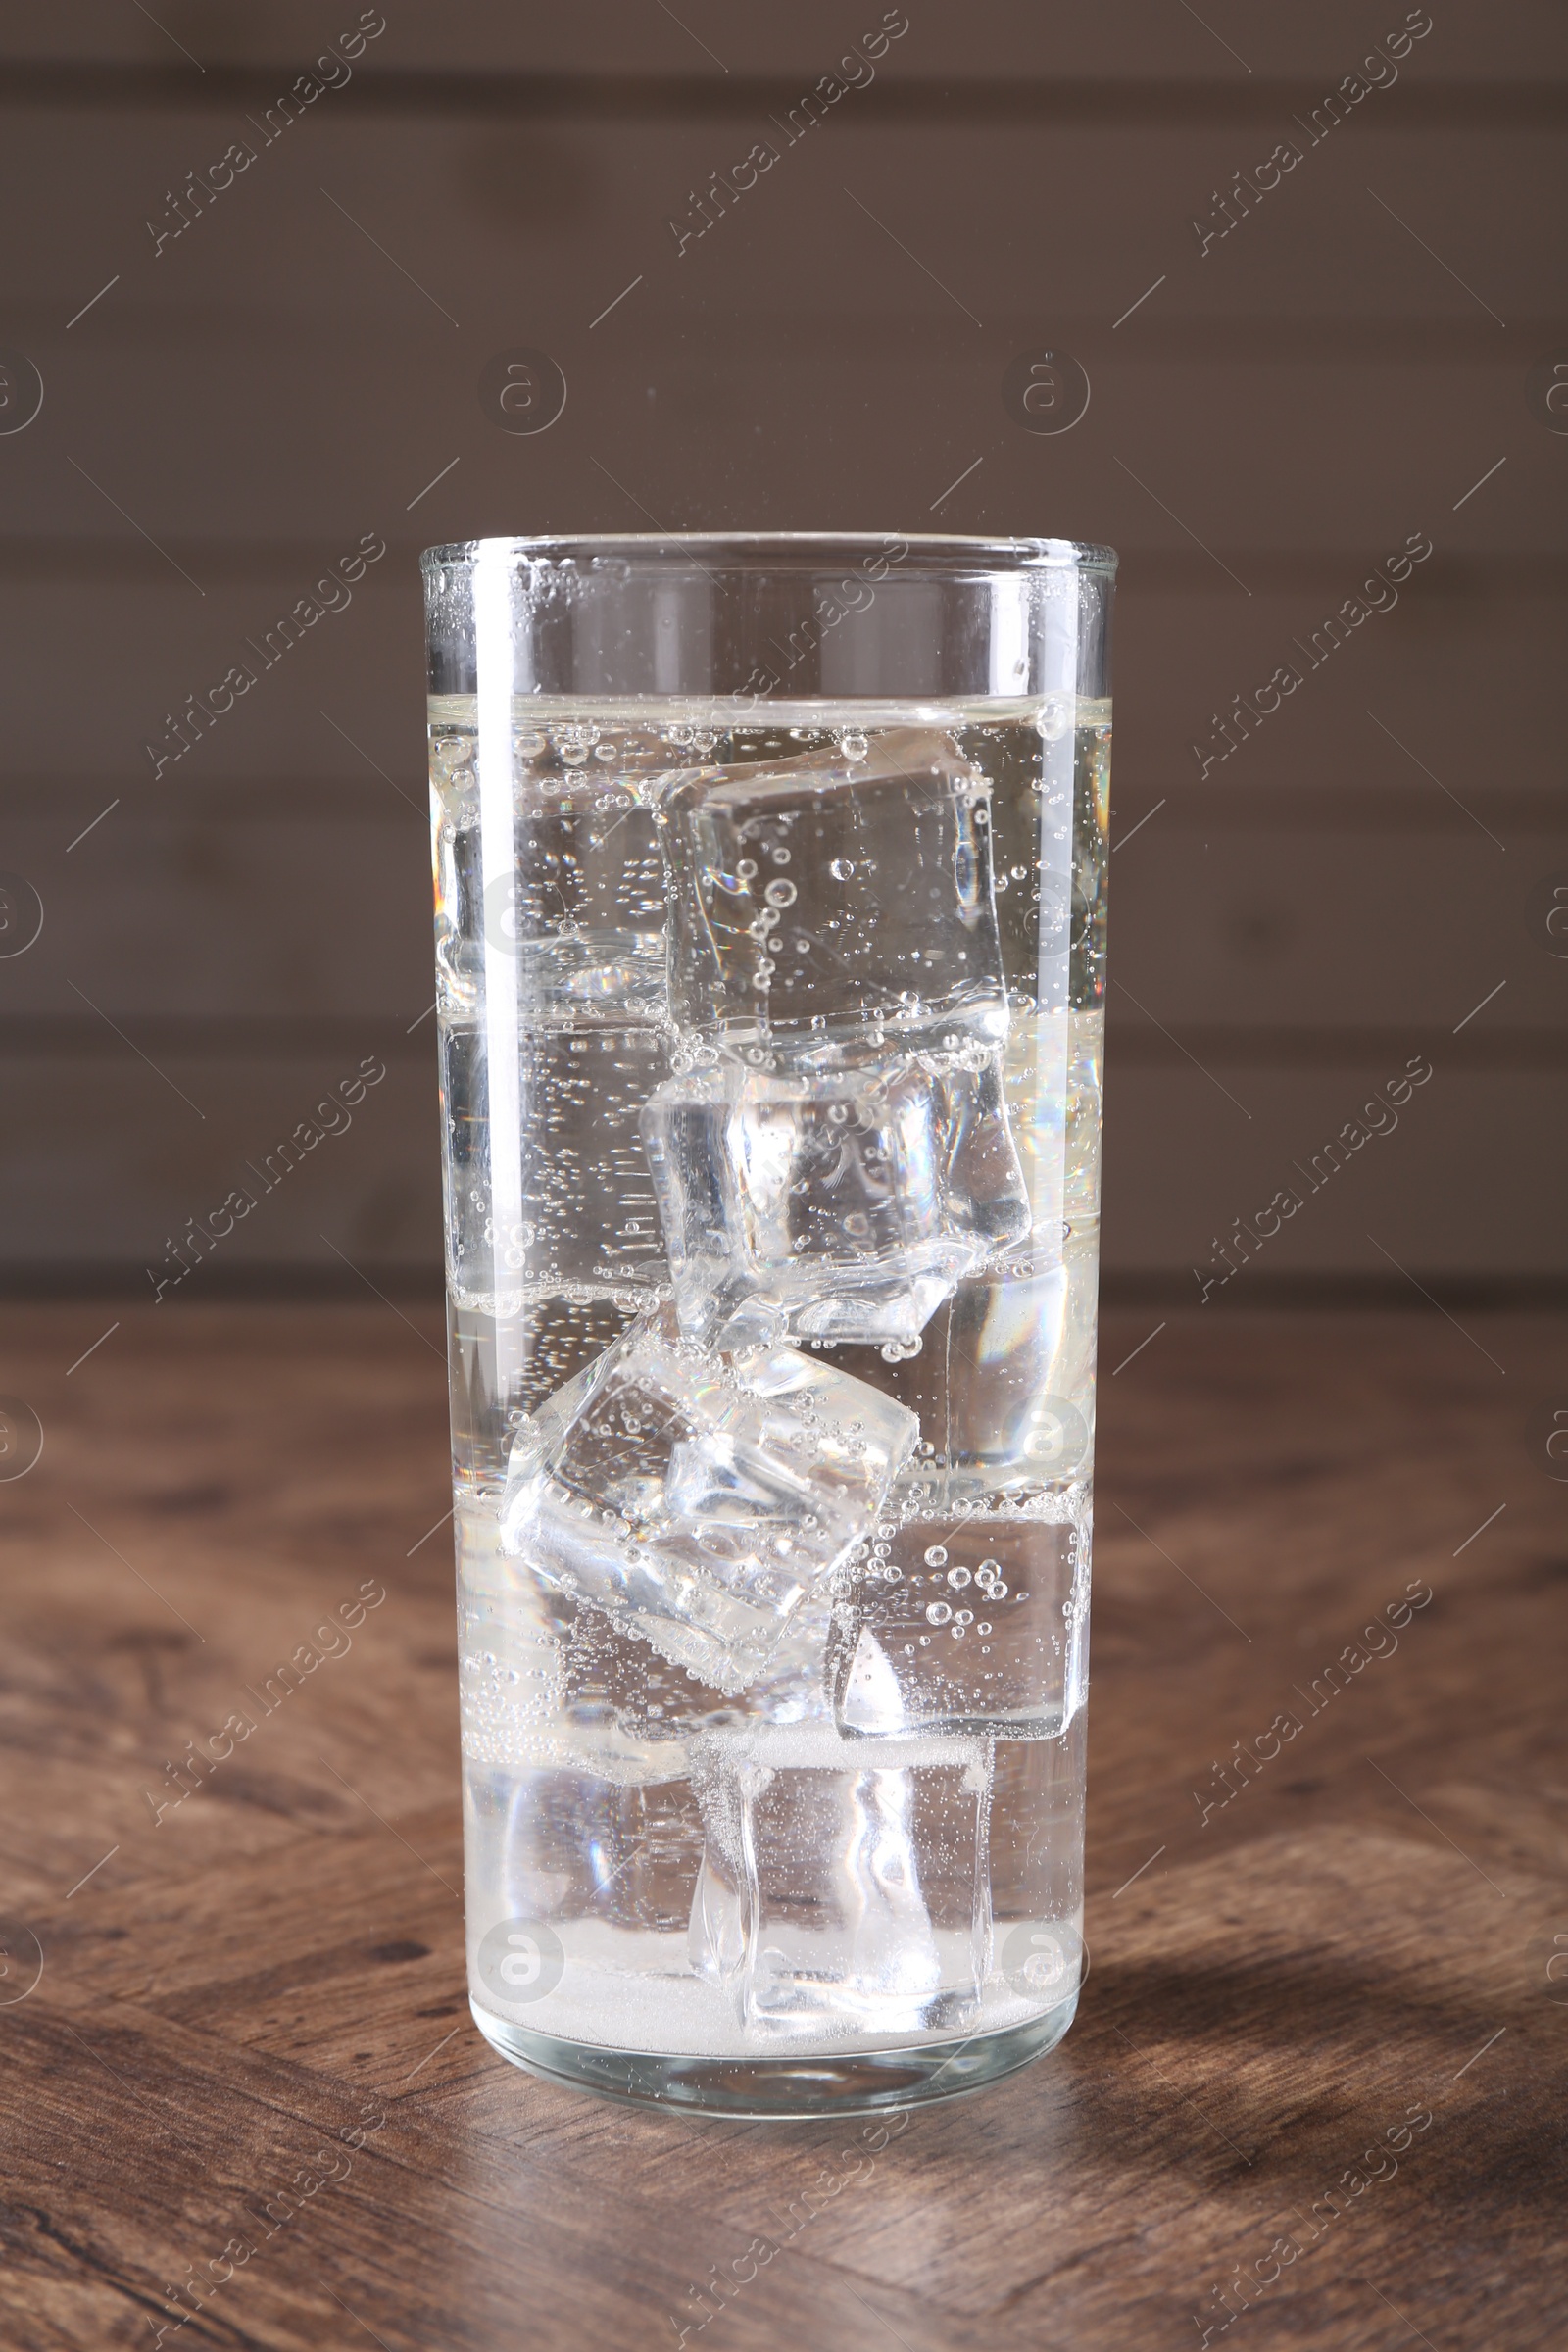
1358	361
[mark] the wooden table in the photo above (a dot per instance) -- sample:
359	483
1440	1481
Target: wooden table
247	2071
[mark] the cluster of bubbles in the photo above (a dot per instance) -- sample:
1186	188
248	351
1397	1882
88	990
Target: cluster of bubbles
988	1580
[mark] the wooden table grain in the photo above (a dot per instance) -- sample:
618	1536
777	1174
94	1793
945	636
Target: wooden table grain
1314	2094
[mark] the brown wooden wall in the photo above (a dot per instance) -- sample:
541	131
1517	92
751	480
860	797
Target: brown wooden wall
1363	359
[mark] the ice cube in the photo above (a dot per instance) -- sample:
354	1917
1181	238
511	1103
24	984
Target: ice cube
844	1885
817	898
980	1628
639	1702
548	1680
575	924
721	1931
1020	1352
504	1368
698	1498
564	1845
839	1204
1003	1386
1037	1828
543	1681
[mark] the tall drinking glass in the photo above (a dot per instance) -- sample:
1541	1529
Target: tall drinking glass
769	883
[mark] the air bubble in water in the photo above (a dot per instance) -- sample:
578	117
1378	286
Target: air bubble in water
937	1556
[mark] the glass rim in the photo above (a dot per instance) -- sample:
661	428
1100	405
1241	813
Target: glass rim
956	554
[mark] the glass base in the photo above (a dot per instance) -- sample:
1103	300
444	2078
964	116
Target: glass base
781	2089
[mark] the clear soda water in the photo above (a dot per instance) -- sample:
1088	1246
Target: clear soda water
770	1057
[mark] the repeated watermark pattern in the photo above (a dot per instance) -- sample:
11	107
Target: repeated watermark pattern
722	192
1245	193
20	1962
331	1116
856	593
521	1960
191	2297
1046	390
521	390
1556	1970
786	2216
21	915
20	392
333	593
1547	390
1548	915
330	1639
1549	1433
1379	1640
200	192
21	1437
1379	594
1246	2288
1378	1116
